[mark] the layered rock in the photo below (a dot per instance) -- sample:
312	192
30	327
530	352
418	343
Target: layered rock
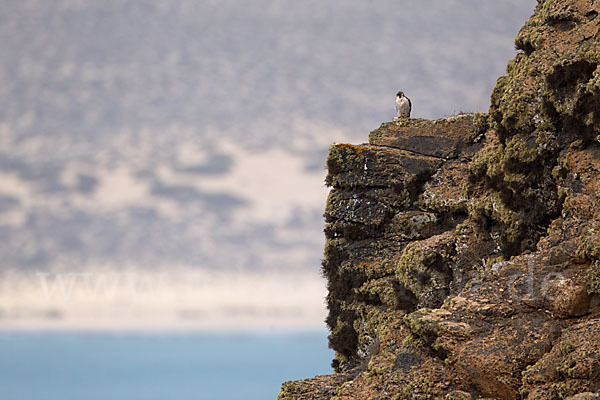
463	254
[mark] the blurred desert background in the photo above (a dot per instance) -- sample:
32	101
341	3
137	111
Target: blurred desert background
162	162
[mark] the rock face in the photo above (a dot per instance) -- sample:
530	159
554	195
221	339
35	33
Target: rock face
463	254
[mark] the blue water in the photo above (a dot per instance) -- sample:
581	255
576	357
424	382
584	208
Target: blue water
92	366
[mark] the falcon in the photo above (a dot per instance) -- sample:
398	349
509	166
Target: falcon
403	105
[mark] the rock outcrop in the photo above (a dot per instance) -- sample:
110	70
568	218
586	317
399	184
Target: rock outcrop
463	254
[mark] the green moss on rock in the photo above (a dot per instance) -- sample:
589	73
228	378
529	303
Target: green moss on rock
424	269
593	278
588	248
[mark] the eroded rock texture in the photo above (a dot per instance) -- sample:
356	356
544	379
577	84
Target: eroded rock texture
463	254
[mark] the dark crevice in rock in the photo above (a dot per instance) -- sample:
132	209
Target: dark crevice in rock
525	46
591	15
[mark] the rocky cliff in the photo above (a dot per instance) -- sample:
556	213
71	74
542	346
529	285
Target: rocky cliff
463	254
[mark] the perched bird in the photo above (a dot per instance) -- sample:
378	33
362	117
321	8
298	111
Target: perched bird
403	105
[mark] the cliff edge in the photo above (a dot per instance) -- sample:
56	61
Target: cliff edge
463	254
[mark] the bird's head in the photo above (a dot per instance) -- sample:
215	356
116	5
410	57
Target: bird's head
400	94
